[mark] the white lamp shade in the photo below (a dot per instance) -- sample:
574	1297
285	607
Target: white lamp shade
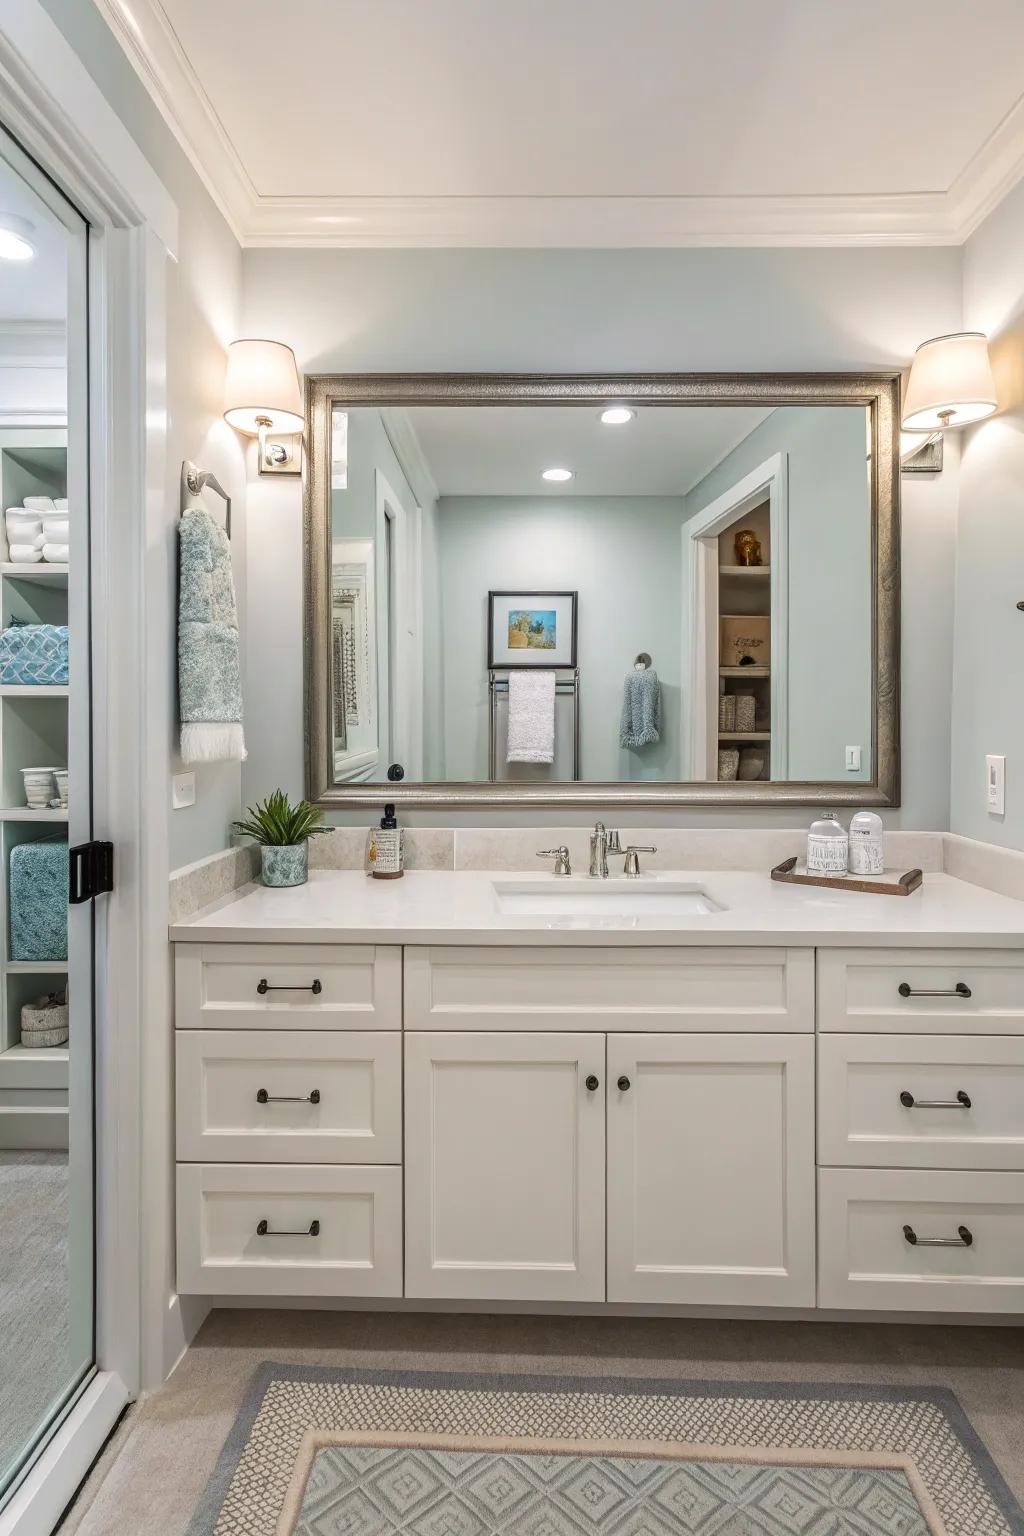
262	381
950	374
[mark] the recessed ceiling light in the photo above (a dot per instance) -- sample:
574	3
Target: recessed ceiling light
557	474
15	244
617	415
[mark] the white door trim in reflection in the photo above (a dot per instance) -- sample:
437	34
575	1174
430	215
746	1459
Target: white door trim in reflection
700	622
399	631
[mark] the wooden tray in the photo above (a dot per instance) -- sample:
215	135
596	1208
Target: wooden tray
879	885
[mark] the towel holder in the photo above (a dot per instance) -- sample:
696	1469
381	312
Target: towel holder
642	662
193	482
565	687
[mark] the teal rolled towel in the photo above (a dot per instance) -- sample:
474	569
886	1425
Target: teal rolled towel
38	900
641	709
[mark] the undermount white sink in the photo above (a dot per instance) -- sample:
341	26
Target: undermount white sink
597	900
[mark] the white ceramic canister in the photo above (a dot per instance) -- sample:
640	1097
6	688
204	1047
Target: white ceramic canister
867	853
828	846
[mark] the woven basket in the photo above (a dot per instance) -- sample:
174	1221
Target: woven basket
44	1022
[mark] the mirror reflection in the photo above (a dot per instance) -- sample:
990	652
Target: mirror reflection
601	594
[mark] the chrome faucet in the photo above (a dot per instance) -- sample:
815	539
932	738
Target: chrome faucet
561	858
599	853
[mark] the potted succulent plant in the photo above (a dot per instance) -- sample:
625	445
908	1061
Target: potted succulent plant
282	831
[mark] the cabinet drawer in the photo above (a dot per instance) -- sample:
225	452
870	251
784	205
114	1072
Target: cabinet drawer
921	991
224	1248
282	986
250	1096
638	989
921	1101
866	1259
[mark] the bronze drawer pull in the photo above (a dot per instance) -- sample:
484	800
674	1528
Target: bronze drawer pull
962	1101
964	1239
263	1097
960	990
263	1230
263	987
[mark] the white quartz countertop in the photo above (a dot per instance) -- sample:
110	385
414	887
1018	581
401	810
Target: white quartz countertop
462	907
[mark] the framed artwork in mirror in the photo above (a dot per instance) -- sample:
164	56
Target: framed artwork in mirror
531	629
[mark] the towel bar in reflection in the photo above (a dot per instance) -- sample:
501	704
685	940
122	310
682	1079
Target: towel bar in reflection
565	688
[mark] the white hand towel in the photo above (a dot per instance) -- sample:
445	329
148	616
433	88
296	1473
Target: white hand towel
56	529
61	503
56	554
531	717
24	554
39	503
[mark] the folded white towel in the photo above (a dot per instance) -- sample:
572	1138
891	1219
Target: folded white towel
56	529
24	554
61	503
56	554
39	503
531	717
23	523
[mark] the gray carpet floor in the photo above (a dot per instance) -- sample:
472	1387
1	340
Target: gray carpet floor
155	1469
34	1303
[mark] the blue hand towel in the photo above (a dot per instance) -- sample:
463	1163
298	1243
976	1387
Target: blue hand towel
38	900
209	672
641	709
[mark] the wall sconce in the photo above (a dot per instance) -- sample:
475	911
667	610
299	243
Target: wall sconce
262	395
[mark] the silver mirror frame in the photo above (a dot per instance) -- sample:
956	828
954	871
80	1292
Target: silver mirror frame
878	392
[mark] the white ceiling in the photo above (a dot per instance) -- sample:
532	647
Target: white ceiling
501	450
562	122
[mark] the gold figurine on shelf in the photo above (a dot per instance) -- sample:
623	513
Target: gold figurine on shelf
748	548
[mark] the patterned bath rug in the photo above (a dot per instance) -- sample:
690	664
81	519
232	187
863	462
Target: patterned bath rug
318	1451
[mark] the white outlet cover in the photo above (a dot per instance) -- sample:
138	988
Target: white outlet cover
853	759
183	791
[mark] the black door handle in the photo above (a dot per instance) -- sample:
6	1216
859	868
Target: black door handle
623	1083
263	1097
593	1083
263	1230
960	990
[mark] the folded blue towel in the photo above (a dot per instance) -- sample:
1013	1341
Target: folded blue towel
38	900
641	709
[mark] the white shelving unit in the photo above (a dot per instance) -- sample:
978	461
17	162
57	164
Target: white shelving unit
33	732
745	591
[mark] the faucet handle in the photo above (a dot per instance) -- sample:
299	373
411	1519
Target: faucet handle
560	856
614	845
632	867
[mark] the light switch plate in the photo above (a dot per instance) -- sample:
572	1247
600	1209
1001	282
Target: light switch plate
183	791
853	759
995	785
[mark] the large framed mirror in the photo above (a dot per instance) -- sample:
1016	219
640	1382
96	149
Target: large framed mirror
584	591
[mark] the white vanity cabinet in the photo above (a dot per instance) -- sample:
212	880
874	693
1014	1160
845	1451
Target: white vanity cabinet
505	1166
711	1169
729	1127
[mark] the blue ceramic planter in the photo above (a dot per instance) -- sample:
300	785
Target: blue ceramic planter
287	865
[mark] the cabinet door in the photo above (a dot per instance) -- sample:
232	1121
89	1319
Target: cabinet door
504	1158
711	1169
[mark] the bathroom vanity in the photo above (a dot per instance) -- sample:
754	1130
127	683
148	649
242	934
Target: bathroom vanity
442	1091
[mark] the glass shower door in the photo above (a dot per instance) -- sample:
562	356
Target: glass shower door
47	1250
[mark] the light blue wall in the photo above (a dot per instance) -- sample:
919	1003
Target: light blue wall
623	555
829	662
988	678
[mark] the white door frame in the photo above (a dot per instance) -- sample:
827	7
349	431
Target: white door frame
400	611
700	638
54	109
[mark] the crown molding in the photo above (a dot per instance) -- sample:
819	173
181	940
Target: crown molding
895	219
